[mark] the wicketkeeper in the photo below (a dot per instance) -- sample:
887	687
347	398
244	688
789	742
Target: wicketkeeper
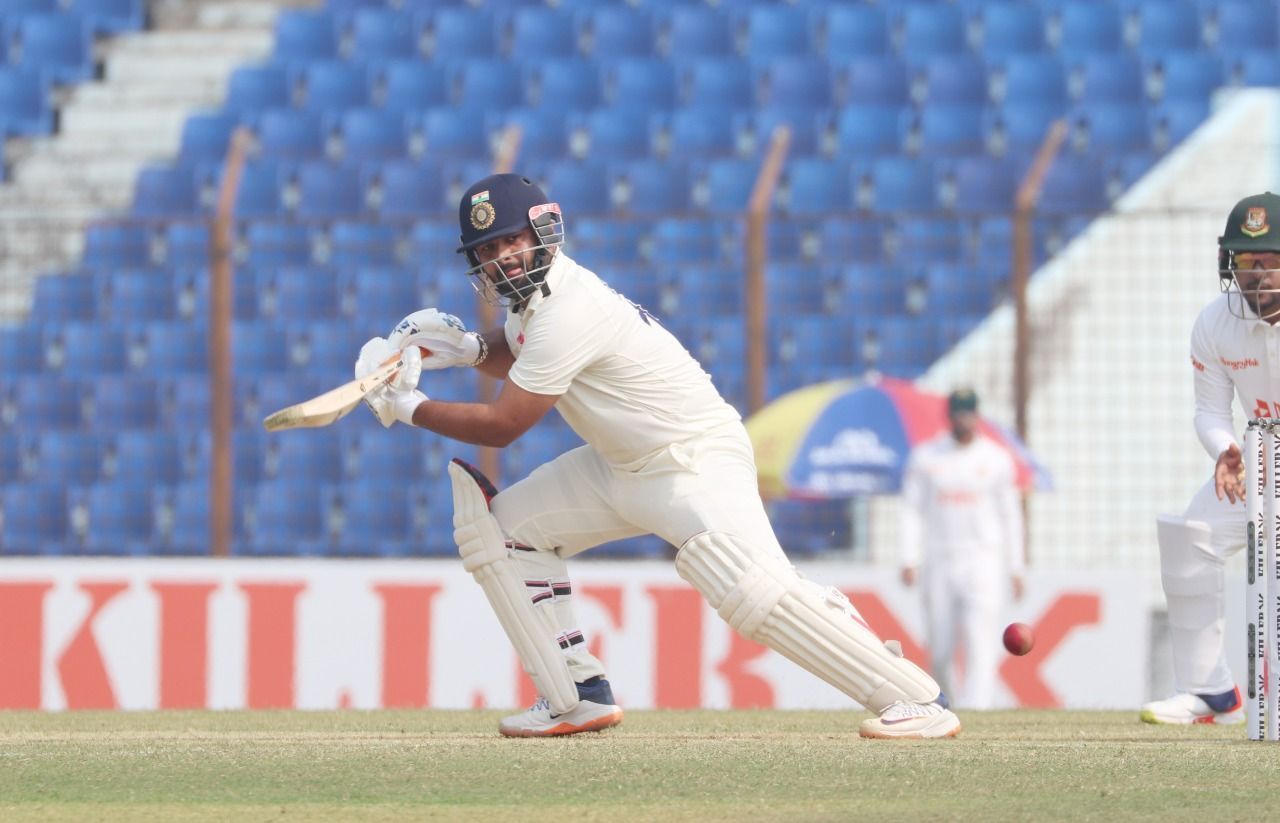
664	454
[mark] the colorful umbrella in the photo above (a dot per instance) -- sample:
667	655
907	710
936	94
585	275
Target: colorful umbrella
846	438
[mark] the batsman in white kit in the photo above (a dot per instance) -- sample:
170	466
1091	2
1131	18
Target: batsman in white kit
664	454
1235	348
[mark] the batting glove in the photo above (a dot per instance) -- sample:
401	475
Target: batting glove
399	398
445	338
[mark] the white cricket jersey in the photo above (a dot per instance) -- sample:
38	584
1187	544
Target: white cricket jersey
961	502
626	385
1228	353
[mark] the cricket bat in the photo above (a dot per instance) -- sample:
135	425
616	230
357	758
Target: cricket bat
333	405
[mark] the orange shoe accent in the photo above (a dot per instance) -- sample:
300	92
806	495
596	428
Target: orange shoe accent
596	725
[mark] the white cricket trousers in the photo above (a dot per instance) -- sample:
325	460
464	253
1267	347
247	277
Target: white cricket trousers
963	599
578	501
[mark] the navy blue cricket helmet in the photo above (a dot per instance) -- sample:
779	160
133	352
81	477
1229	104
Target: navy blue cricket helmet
498	206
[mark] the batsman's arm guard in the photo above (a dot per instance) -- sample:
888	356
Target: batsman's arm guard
485	555
764	599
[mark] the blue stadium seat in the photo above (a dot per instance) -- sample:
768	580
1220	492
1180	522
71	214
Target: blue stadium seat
17	9
640	82
397	452
258	349
356	242
932	29
813	338
10	457
948	130
913	239
57	298
410	85
110	16
844	31
774	31
753	129
651	186
165	191
110	519
302	455
1172	121
708	289
544	131
869	130
327	349
407	188
25	110
186	245
1011	28
1254	68
1243	25
537	30
563	84
454	33
305	35
35	402
368	516
953	288
181	523
1109	78
1113	128
22	348
954	78
695	133
284	515
1087	28
899	346
579	188
35	516
873	80
811	527
133	295
330	86
1021	128
486	81
795	81
983	185
816	186
59	46
689	29
329	191
251	89
611	32
122	402
109	245
680	240
447	133
793	289
66	457
1074	185
434	241
716	82
1193	76
297	293
645	545
1030	78
373	134
259	194
247	444
904	184
380	35
175	348
85	348
277	244
726	185
383	293
1167	26
291	134
610	134
205	137
606	241
870	289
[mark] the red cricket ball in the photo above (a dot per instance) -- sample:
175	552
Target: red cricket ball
1018	638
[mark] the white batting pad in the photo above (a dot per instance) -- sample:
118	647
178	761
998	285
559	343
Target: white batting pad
764	599
485	555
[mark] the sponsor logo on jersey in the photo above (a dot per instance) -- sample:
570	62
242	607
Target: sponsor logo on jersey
1196	363
1255	222
1239	365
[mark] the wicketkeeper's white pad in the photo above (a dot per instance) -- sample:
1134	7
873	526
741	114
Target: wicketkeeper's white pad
764	599
485	555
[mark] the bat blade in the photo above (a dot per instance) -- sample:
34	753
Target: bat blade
335	404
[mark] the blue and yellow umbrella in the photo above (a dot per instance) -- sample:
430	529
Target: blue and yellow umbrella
846	438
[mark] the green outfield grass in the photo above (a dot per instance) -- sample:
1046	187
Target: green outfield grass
758	765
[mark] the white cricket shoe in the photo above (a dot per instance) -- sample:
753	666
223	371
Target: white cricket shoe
538	721
906	720
1185	709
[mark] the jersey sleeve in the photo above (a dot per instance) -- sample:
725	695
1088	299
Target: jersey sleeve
1213	391
557	348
